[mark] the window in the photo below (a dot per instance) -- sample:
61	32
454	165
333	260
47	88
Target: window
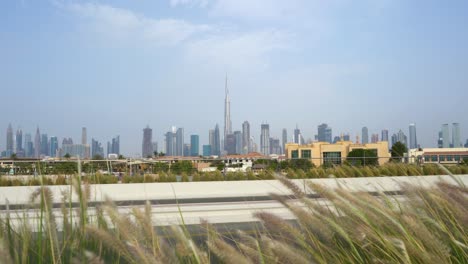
449	158
441	158
427	158
434	158
295	154
457	157
306	154
332	157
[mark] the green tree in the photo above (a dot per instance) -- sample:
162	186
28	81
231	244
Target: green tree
184	166
398	150
14	156
67	156
97	157
219	164
362	157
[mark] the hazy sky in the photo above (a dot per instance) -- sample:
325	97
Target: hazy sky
116	66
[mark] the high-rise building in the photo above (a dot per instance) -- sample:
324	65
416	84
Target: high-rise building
456	141
227	113
284	140
440	141
186	151
265	139
170	143
180	142
84	136
275	147
96	148
28	146
44	145
53	146
374	138
384	136
211	140
365	135
297	136
336	139
37	144
216	148
206	150
324	133
9	141
147	144
445	136
194	145
113	147
239	142
230	144
399	137
19	143
466	144
155	147
346	137
413	139
246	147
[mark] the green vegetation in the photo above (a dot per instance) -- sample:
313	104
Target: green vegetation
398	150
366	157
430	226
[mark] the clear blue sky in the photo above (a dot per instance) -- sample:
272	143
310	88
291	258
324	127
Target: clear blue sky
116	66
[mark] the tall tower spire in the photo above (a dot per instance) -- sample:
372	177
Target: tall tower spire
227	112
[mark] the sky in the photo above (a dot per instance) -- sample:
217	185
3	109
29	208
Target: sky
117	66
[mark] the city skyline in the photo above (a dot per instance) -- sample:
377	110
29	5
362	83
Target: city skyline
116	66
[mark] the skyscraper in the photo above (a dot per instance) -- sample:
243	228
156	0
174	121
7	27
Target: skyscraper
227	113
297	136
365	135
216	149
346	137
284	140
9	141
37	144
374	138
275	147
96	148
44	145
180	142
147	144
324	133
384	136
246	147
265	139
84	136
170	144
445	136
19	143
53	146
194	145
440	141
113	147
239	142
28	145
456	141
413	139
400	137
230	144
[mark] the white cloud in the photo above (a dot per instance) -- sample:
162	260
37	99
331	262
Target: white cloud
125	24
237	51
199	3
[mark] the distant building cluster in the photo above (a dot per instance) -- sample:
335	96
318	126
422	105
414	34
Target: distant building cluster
43	146
230	142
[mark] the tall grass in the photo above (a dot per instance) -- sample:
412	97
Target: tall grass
428	226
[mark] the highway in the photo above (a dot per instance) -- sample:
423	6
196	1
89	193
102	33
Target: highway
216	202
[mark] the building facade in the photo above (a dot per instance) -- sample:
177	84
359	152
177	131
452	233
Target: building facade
147	144
194	145
246	147
324	133
320	153
265	139
364	135
413	138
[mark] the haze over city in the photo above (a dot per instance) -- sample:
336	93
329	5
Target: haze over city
116	66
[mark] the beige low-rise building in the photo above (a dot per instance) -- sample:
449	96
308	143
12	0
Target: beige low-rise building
324	152
438	155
